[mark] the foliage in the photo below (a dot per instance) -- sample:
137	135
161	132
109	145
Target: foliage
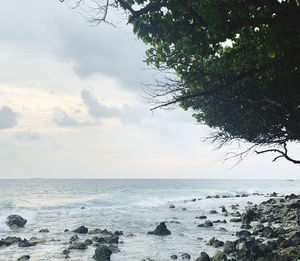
236	63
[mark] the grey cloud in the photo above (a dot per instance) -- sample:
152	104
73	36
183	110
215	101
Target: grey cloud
97	110
8	118
27	135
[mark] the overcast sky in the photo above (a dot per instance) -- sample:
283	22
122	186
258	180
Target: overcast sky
71	106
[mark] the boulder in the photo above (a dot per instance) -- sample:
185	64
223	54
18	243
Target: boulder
185	256
15	221
229	247
219	256
203	257
25	243
174	257
23	258
78	246
81	230
243	234
102	253
161	230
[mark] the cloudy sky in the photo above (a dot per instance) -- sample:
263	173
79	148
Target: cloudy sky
71	106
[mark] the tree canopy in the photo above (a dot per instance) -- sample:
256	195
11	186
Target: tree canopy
235	63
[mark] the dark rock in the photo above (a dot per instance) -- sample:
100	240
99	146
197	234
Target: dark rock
66	230
23	258
88	242
15	221
215	242
66	252
249	216
78	246
213	212
114	249
243	234
173	257
209	196
171	206
207	223
73	238
25	243
229	247
118	233
102	253
185	256
81	230
95	231
244	195
203	257
201	217
223	209
114	239
245	226
160	230
220	221
11	240
269	232
44	230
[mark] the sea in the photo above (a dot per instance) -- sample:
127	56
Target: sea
134	206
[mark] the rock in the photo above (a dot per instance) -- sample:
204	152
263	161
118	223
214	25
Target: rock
203	257
229	247
207	223
219	256
269	232
15	221
160	230
78	246
114	239
66	252
67	256
213	212
25	243
249	216
185	256
10	240
114	249
215	242
173	257
245	226
24	257
44	230
171	206
95	231
223	209
243	234
102	253
73	238
255	224
201	217
183	209
66	230
81	230
220	221
88	242
118	233
35	240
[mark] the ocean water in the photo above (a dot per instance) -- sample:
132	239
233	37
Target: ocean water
133	206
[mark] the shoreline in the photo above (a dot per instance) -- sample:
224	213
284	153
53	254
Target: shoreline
267	231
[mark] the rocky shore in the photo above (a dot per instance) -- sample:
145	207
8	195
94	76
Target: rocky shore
268	231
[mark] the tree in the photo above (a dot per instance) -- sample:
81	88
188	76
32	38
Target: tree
235	63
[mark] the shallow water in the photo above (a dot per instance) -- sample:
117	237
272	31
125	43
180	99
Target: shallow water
133	206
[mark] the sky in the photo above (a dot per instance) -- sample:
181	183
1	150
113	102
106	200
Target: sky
71	106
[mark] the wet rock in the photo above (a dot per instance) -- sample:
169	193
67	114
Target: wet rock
171	206
213	212
81	230
114	239
209	197
66	252
25	243
215	242
245	226
88	242
15	221
78	246
114	249
223	209
73	238
44	230
66	230
236	214
35	240
229	247
67	256
219	256
10	241
174	257
24	257
201	217
185	256
207	223
249	215
220	221
243	234
203	257
269	232
160	230
95	231
255	224
102	253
